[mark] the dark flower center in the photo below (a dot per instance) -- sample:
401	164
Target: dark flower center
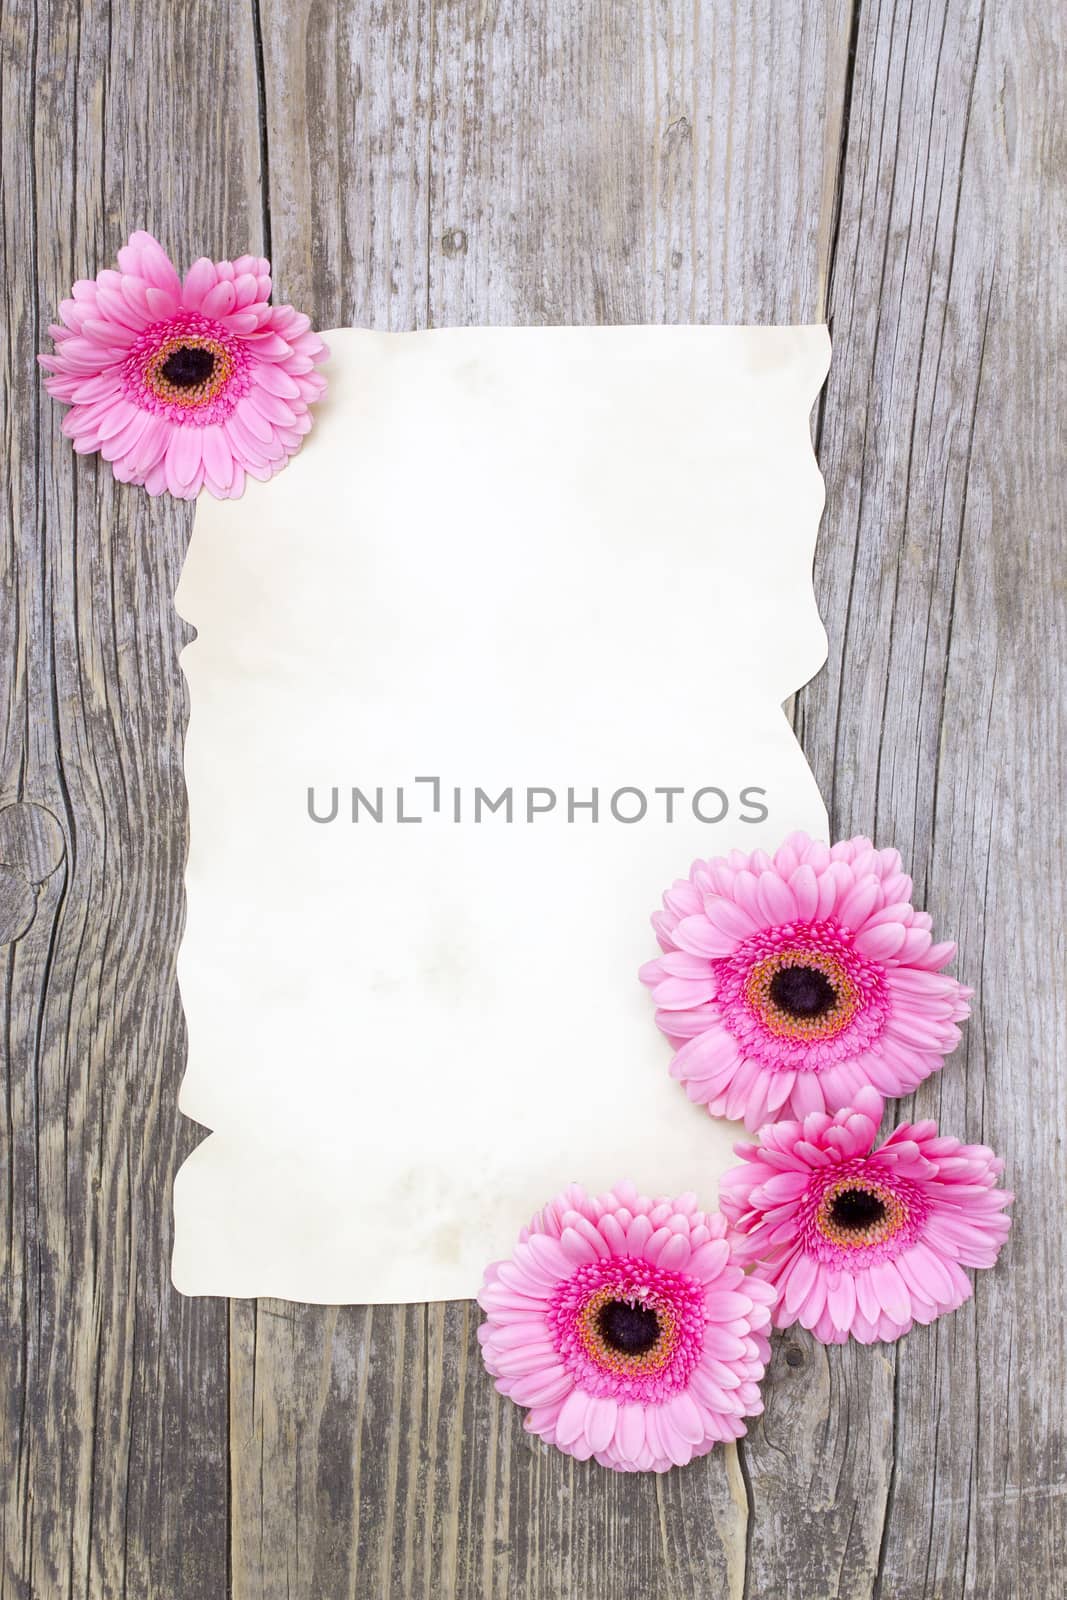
632	1329
802	991
855	1209
188	366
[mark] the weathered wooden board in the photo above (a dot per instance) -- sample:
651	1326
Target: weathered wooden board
414	162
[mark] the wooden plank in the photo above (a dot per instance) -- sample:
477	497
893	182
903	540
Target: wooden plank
938	724
459	164
114	1418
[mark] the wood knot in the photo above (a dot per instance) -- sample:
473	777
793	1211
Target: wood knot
32	846
454	242
794	1356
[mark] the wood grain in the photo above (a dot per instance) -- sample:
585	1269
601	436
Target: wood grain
416	162
939	721
114	1438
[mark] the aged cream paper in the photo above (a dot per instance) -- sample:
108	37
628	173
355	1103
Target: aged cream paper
510	570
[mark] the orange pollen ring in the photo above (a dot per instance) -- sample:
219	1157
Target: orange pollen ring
826	1024
625	1362
859	1234
189	395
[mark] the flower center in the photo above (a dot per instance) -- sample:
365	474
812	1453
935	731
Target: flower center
628	1337
855	1215
188	366
188	370
627	1328
802	991
803	994
856	1209
632	1329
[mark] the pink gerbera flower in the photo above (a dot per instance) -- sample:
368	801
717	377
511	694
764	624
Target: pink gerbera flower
628	1328
184	384
790	983
862	1241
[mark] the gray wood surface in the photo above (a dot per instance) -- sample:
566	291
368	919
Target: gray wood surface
897	168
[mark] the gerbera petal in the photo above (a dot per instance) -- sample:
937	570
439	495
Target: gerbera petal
857	905
675	1254
937	955
805	889
118	414
87	357
910	1029
709	1259
247	448
271	407
924	1275
916	946
779	1090
891	1290
600	1418
712	1055
741	1086
571	1420
841	1301
550	1256
244	285
152	262
881	942
184	457
241	322
269	346
200	279
697	936
678	1449
220	300
630	1431
153	443
135	293
685	1417
276	380
128	437
101	386
814	1301
118	307
254	420
218	456
729	918
777	901
784	1186
576	1248
683	994
796	1284
161	302
543	1387
807	1095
